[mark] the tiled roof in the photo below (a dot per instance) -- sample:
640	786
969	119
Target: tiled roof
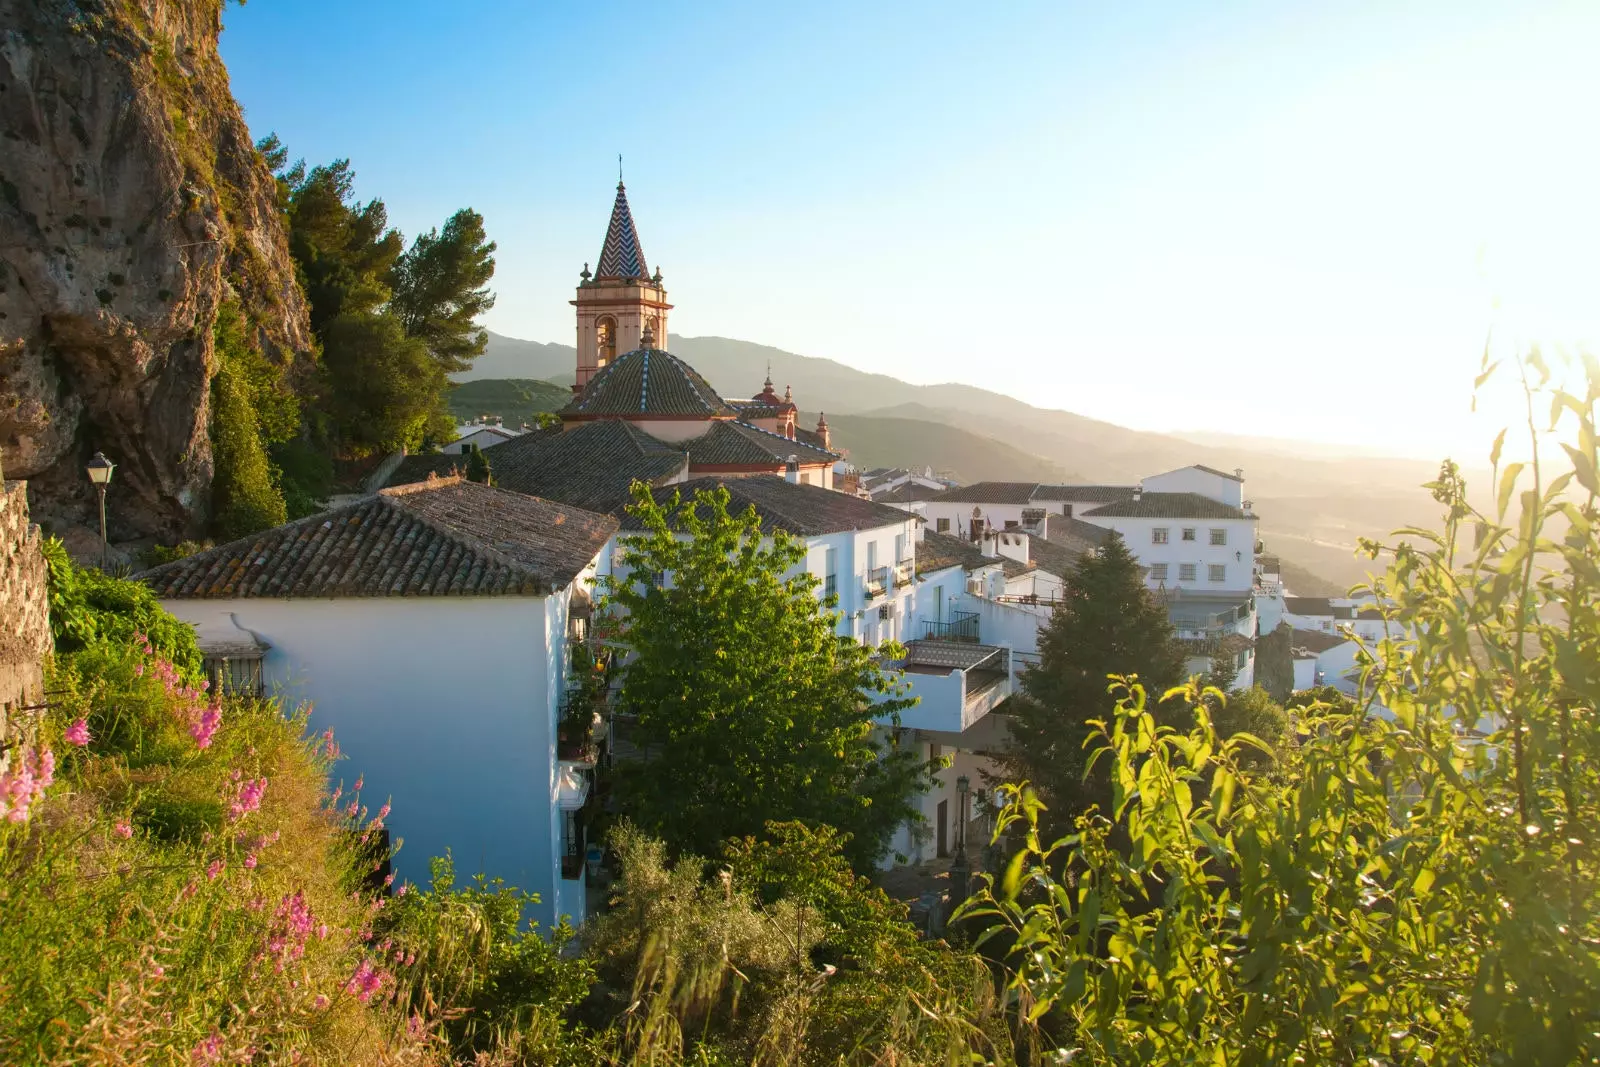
648	381
1219	474
989	493
937	551
589	466
757	409
446	537
1075	533
621	256
803	510
1054	557
1168	506
1230	643
908	493
1317	605
1316	641
737	443
810	437
1089	494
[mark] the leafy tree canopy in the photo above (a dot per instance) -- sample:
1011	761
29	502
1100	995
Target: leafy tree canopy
749	706
441	289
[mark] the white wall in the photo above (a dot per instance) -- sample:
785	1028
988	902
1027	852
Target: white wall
959	515
1236	555
447	705
1194	480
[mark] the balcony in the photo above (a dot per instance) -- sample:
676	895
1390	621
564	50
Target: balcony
905	572
955	683
962	626
877	583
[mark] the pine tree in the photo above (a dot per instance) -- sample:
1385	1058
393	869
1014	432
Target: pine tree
478	466
1107	624
441	289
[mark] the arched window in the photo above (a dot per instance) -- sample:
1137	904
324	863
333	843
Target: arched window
606	341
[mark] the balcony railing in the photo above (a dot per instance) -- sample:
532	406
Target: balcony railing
877	582
962	626
905	572
1031	599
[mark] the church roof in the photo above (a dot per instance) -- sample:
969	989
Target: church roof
621	256
648	381
739	444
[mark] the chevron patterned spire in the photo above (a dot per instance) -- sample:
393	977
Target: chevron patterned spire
621	257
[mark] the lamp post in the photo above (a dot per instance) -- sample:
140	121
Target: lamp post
100	469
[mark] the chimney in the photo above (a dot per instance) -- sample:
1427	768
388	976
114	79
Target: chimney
1138	492
1238	472
791	470
822	431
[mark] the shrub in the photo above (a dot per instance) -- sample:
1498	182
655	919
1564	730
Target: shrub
89	607
249	408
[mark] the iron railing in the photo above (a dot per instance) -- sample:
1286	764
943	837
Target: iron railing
962	626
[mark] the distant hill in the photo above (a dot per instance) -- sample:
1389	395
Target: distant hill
1312	506
513	399
968	457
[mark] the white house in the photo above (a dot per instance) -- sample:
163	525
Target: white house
484	436
428	625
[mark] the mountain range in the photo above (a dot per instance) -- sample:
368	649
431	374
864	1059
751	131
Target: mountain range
1313	503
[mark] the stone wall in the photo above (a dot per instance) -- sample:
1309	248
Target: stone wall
24	606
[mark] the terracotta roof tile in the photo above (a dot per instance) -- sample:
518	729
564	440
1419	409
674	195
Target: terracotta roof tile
445	537
648	381
1168	506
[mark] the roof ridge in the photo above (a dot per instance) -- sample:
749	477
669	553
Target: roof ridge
469	541
745	425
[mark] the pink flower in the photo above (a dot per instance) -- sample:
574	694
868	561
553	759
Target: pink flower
291	926
388	879
250	862
216	868
320	1003
248	798
208	1051
402	890
22	785
383	812
205	725
360	780
138	671
123	830
366	981
78	733
322	931
157	971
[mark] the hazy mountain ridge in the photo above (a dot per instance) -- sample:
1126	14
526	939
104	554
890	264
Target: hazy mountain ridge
1312	507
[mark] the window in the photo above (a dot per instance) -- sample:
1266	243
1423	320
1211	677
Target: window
830	572
872	557
1158	571
1158	536
1066	509
1186	572
1011	524
235	674
1188	533
1217	572
1219	537
605	341
899	548
1243	658
941	525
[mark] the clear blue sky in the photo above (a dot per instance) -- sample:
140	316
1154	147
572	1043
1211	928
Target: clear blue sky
1254	217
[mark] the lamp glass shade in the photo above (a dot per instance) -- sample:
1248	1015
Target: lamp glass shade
100	469
963	784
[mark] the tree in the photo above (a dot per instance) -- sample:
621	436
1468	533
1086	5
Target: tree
441	288
478	466
1415	887
1107	623
749	706
382	388
1275	662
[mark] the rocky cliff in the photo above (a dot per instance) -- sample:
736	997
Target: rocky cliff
132	203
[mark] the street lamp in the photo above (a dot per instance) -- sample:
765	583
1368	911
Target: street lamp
100	469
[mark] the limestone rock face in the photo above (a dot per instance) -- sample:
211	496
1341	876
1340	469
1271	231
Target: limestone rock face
132	203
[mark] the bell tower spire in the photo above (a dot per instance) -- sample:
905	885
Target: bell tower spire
621	298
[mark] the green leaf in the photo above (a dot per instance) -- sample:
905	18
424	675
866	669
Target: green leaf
1582	468
1011	882
1508	485
1494	453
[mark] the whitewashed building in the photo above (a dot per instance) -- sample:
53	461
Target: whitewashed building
428	625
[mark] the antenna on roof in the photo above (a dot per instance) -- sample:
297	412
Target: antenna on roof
619	168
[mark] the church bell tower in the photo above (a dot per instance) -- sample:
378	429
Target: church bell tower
620	299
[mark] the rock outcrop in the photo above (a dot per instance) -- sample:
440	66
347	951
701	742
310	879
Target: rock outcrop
132	203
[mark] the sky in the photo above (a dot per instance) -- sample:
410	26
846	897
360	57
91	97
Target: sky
1295	220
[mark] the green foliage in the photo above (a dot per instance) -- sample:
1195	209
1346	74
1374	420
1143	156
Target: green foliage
391	323
1275	662
784	958
88	606
478	466
493	979
1417	886
749	706
516	400
441	289
248	409
383	389
1251	711
306	473
1107	623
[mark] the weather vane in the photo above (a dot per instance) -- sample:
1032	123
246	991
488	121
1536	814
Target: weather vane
619	168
